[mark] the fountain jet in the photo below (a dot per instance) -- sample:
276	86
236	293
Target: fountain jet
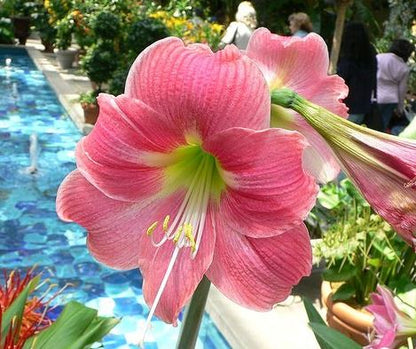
34	151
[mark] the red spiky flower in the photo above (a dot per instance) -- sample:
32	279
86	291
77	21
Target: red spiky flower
34	318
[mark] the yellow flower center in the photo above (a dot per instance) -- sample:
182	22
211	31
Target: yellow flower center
188	168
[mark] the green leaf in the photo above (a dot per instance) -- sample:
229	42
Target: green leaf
313	314
344	292
374	262
315	317
329	199
339	273
16	309
77	327
332	339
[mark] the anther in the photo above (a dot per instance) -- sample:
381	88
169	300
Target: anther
190	237
177	235
152	228
165	223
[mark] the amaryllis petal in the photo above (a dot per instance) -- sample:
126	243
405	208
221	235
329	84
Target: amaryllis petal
215	90
265	179
382	166
252	273
319	159
187	272
388	181
115	228
392	326
282	61
386	341
384	310
131	129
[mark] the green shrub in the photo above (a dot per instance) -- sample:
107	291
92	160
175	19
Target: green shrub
100	62
64	27
118	81
6	31
106	25
144	33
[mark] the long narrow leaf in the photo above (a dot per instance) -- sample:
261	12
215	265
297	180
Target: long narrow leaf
315	317
76	328
331	338
313	314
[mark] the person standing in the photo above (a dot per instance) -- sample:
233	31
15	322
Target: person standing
357	65
300	24
392	76
239	31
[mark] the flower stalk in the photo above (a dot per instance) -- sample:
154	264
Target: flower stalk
335	130
193	316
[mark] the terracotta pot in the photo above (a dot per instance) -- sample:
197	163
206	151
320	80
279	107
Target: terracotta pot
354	323
90	113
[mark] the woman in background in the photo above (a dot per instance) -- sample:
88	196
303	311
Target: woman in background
300	24
357	65
392	76
239	31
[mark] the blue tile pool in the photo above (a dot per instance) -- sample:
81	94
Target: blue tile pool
30	231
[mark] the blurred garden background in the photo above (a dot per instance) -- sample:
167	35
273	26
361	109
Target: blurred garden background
109	34
100	39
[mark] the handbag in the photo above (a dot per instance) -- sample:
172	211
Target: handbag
373	118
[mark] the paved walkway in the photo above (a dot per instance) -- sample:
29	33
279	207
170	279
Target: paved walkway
68	84
285	327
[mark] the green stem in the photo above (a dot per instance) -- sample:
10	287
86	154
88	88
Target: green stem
193	316
410	259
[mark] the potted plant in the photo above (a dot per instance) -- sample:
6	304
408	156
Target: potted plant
99	63
89	104
20	12
42	22
361	251
65	55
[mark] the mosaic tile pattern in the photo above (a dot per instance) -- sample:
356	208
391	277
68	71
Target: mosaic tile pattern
30	231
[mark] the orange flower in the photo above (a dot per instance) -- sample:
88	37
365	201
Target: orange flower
34	317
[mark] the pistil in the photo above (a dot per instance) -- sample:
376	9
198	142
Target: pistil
187	227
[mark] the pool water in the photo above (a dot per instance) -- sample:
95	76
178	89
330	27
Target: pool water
30	231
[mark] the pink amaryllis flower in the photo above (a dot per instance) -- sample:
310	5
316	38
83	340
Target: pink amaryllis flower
181	177
305	98
392	326
301	64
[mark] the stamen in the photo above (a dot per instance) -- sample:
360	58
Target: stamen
159	294
188	223
152	228
165	223
190	237
204	207
188	229
178	234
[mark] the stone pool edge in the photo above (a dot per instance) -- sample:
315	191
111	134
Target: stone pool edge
65	92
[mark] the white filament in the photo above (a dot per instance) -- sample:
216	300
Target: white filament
159	294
